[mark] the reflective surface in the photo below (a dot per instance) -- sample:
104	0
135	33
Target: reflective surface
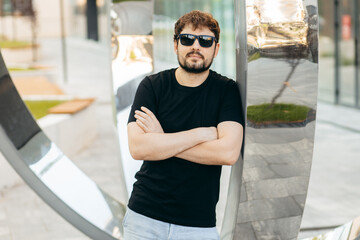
281	108
50	173
132	61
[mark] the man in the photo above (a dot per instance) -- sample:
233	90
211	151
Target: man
184	123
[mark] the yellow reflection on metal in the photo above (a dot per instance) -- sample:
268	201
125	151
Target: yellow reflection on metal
276	23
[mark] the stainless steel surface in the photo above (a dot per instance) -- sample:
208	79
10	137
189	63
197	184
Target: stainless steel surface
134	17
132	60
50	173
279	136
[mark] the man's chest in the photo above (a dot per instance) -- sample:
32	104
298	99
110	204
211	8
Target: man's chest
180	111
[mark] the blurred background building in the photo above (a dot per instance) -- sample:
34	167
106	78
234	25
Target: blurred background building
339	52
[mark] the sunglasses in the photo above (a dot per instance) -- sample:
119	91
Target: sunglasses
189	39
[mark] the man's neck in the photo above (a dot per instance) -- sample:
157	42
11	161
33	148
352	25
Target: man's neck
190	79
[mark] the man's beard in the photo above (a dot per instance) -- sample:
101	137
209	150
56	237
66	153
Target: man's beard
195	69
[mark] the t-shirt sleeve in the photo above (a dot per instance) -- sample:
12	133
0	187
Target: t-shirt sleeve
144	96
231	107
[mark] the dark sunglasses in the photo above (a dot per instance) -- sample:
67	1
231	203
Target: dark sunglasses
189	39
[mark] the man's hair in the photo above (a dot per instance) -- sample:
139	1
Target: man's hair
197	19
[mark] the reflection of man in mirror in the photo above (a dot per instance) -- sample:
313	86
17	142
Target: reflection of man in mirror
185	123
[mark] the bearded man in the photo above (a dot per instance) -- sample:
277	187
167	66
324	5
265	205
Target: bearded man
185	123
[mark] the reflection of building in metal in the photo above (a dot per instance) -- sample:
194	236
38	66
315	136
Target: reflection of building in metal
133	44
276	31
271	24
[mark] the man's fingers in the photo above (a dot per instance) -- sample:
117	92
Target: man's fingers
141	125
142	114
148	112
141	118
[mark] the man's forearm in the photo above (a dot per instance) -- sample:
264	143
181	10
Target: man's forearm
223	151
214	152
159	146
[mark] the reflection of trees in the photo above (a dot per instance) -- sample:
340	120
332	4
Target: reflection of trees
293	65
308	51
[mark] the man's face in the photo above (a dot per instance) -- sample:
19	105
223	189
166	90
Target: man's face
195	58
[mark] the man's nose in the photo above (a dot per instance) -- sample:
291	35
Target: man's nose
196	44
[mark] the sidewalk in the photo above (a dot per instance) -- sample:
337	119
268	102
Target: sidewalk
334	191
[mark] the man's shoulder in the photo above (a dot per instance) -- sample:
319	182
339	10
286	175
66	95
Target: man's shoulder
165	74
156	80
220	79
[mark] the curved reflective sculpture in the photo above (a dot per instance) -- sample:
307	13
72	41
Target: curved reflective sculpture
275	63
50	173
129	66
281	99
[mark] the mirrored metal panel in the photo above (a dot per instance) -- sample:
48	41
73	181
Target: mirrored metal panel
50	173
132	45
281	98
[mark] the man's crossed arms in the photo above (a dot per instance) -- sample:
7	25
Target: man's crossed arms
204	145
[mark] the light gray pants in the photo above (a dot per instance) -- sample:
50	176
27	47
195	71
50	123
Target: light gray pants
140	227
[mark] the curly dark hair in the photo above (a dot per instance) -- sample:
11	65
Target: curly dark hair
197	19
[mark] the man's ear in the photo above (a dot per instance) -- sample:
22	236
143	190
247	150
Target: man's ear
175	46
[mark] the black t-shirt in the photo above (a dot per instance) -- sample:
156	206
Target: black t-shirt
176	190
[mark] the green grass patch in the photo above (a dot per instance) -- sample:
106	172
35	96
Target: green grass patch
327	54
40	109
20	69
347	62
278	113
254	57
15	44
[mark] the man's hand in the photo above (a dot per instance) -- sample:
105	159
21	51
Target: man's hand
147	121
